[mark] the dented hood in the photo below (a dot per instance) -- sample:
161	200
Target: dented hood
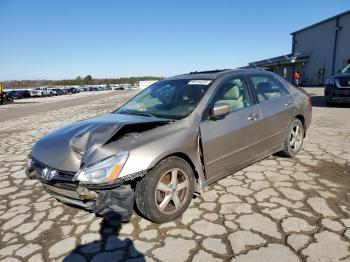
65	148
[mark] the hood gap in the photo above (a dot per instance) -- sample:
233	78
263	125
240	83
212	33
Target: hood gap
134	128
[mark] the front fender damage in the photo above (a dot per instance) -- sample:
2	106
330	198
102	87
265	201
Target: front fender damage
119	200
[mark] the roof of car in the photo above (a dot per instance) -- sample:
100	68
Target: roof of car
213	74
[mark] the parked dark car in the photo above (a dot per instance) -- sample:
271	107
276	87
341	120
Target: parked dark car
65	90
26	93
59	91
92	88
19	94
73	90
174	138
15	94
337	88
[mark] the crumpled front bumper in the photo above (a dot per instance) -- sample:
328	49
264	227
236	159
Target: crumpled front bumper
118	199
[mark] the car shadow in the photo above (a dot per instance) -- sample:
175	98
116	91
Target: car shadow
319	101
110	247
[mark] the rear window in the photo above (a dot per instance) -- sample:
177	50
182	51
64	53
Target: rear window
268	87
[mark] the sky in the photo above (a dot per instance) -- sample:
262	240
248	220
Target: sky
63	39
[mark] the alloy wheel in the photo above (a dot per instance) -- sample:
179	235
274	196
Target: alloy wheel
296	138
172	191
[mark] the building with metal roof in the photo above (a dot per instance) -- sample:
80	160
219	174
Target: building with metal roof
318	52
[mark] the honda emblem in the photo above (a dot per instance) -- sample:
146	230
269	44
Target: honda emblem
48	174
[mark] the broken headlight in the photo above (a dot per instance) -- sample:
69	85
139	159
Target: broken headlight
104	171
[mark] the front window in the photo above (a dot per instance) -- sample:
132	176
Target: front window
233	92
172	99
346	70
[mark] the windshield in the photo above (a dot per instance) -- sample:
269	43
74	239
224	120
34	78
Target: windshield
173	99
346	69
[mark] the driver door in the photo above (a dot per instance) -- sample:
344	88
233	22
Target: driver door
232	141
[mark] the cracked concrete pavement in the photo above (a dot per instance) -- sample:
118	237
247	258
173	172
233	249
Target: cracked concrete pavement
278	209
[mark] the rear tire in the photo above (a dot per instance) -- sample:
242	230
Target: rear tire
294	139
166	191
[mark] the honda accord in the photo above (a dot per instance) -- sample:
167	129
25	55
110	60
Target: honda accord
170	141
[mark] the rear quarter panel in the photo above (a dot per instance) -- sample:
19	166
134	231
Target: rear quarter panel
302	102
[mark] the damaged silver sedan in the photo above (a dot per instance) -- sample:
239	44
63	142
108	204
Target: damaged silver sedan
170	141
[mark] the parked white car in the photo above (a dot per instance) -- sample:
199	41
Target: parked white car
52	91
34	92
42	91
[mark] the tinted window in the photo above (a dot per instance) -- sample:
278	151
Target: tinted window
267	87
233	92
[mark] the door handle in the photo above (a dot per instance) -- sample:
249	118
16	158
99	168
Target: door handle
253	117
289	103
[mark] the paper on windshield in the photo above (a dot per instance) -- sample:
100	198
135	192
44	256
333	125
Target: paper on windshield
199	82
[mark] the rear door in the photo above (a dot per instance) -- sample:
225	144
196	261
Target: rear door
277	107
230	142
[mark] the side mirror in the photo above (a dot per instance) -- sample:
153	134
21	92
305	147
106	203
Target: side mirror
220	110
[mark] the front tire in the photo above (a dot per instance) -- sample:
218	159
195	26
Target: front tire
294	139
166	191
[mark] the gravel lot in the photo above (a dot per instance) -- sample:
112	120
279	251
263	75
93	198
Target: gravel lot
28	106
278	209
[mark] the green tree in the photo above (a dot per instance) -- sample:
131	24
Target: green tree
88	79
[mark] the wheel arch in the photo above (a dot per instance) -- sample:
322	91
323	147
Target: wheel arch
198	178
